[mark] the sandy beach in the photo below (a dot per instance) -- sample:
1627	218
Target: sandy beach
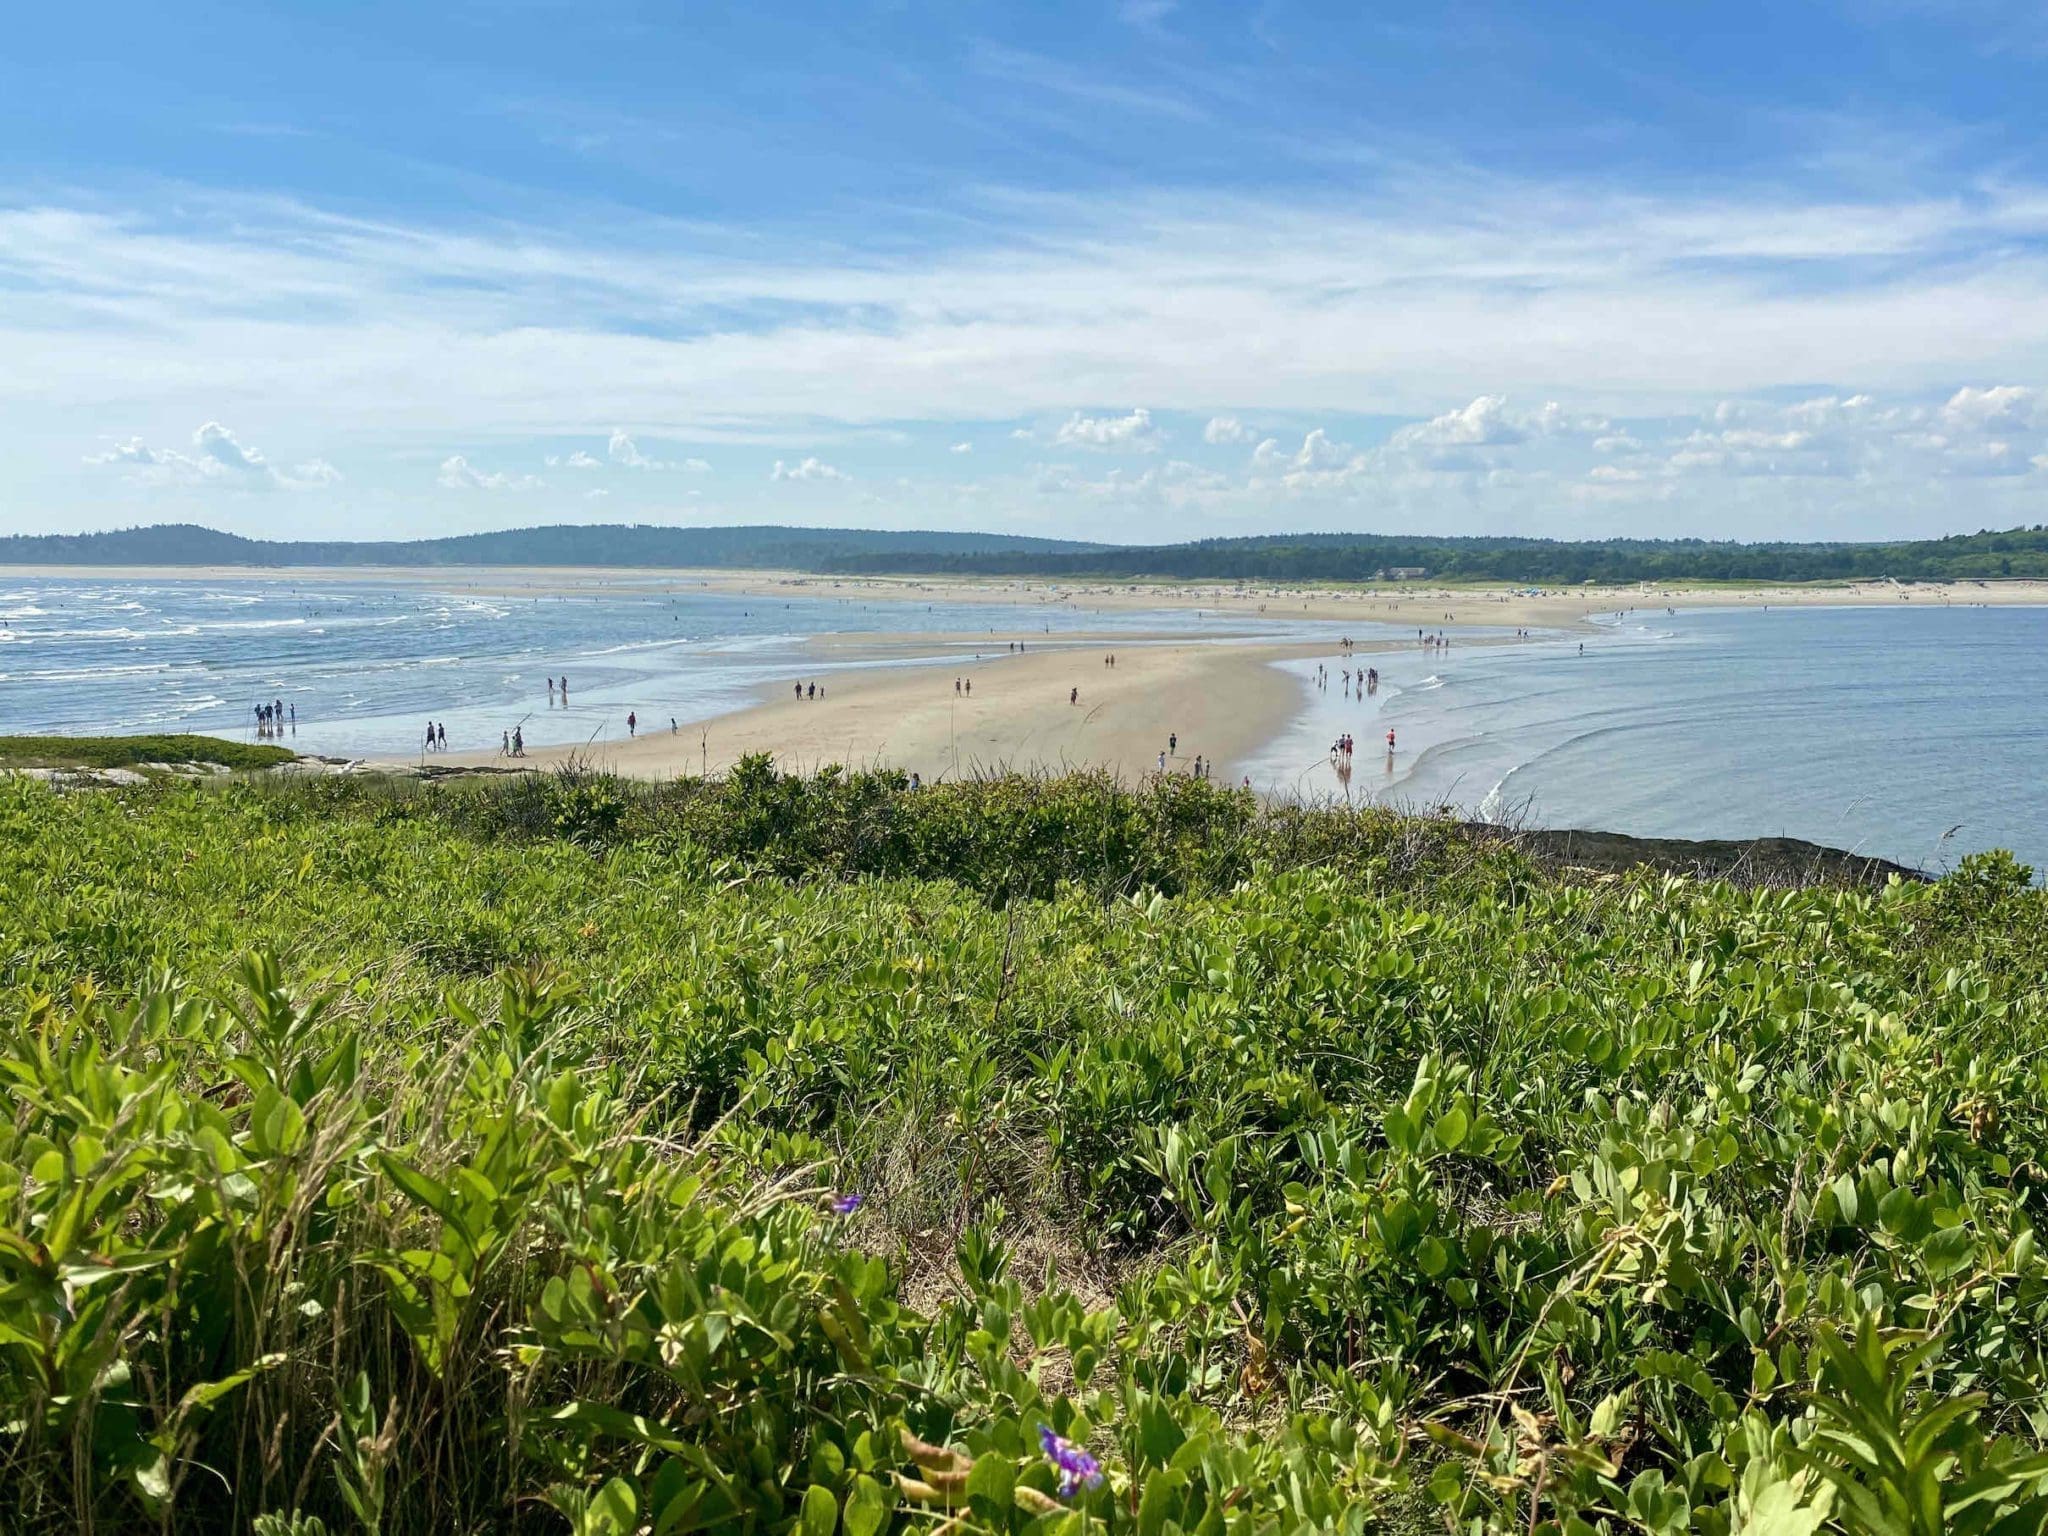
1220	697
1221	700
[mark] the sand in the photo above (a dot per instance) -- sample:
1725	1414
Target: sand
1223	701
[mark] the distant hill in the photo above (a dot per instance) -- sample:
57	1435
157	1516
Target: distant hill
757	548
2017	552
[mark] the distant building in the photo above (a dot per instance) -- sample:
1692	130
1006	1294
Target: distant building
1401	573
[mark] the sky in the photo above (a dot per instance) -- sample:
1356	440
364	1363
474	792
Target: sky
1134	271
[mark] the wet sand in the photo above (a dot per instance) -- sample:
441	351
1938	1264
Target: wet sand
1223	701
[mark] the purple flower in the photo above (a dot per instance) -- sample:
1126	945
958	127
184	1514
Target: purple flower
846	1205
1077	1468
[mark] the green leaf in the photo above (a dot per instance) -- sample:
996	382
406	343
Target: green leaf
820	1515
867	1506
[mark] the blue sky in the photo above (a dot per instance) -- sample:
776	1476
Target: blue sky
1139	271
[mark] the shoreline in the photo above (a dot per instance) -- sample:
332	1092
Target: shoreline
1425	604
1220	700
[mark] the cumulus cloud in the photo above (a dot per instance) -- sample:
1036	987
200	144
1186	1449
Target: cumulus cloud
2005	408
218	458
807	469
577	460
961	448
1134	432
1484	423
625	451
458	474
1226	432
1318	451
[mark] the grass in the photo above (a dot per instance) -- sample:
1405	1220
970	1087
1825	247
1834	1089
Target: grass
474	1159
132	751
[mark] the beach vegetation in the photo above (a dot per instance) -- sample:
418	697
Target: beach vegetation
817	1156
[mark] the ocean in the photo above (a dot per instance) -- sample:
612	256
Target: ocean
1916	734
1912	733
366	664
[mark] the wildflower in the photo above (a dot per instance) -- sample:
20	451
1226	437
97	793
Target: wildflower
1077	1468
846	1205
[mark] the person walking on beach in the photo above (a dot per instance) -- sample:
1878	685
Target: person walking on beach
1173	742
970	687
1390	741
1162	762
551	693
956	685
518	743
295	719
430	735
1073	695
505	742
441	737
564	685
632	723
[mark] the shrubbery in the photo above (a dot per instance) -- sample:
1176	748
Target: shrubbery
390	1160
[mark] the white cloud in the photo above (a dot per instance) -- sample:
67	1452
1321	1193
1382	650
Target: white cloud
1432	285
596	495
458	474
696	467
624	450
961	448
1317	452
1484	423
1226	432
1134	431
2002	408
219	458
577	460
808	469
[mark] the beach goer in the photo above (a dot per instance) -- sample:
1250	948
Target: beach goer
505	742
1248	778
956	685
551	693
1390	741
1162	762
1173	742
518	743
564	686
632	723
970	685
1073	695
673	728
430	735
916	782
799	690
441	737
295	719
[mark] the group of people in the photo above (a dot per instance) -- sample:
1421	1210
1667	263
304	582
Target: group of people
437	737
804	691
272	718
1342	748
562	688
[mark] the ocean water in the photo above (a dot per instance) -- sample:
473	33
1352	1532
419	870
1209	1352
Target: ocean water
1913	733
367	663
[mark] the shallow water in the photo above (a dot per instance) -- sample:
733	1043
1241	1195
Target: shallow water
1914	733
367	663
